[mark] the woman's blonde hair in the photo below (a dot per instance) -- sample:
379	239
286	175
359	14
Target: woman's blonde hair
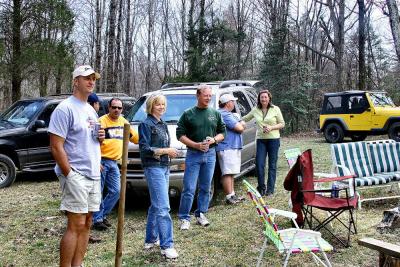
155	99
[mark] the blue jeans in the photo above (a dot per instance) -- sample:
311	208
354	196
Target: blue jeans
110	177
199	168
159	222
267	148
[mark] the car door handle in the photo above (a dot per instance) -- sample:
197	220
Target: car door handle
351	116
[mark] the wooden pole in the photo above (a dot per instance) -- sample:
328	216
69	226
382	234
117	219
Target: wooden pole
121	207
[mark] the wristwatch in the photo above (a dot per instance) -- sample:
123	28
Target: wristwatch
215	141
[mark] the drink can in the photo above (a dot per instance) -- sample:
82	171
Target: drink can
96	128
335	190
205	142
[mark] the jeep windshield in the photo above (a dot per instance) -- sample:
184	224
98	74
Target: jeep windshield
21	113
176	105
381	99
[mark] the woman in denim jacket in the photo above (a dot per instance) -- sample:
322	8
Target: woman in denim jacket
155	152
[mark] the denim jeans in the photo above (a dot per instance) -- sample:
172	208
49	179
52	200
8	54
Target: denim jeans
159	222
110	178
267	148
199	168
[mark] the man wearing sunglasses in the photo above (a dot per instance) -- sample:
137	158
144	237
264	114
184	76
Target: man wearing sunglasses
111	152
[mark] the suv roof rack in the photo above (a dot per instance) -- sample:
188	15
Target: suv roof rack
112	94
170	85
224	84
230	83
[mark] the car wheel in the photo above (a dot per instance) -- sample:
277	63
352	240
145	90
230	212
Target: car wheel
7	171
358	137
333	133
394	131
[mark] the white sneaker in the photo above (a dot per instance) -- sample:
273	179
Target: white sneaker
148	246
169	253
185	225
202	220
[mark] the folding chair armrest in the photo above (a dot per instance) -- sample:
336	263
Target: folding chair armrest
284	213
333	179
304	231
324	175
346	170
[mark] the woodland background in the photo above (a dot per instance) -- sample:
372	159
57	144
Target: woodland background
299	48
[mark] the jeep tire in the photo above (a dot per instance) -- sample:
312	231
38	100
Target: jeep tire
7	171
394	131
333	133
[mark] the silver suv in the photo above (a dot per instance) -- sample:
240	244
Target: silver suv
179	98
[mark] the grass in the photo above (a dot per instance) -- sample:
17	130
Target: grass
31	226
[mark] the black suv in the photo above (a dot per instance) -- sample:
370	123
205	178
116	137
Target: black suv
24	141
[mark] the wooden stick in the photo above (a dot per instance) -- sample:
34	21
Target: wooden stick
121	207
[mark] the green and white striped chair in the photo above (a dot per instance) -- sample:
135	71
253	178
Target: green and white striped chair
374	164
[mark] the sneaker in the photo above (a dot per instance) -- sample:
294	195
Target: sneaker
99	226
231	200
107	222
202	220
148	246
239	199
169	253
185	225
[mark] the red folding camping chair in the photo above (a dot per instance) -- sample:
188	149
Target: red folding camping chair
300	180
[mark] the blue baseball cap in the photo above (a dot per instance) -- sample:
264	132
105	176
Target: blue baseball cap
93	98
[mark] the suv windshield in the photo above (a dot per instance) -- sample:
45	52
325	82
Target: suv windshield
381	99
176	105
21	113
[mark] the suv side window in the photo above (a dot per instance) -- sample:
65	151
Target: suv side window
357	104
252	95
45	115
242	103
334	105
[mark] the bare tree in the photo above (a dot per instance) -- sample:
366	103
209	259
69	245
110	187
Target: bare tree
361	45
111	80
394	24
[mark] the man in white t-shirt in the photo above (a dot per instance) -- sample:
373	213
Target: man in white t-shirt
75	145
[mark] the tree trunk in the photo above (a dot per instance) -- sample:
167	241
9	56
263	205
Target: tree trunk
117	63
15	68
110	53
97	61
361	46
150	15
394	25
128	50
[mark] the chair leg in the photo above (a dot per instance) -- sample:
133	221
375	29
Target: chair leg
264	246
288	253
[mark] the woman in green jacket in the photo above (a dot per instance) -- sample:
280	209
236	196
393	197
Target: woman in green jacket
269	121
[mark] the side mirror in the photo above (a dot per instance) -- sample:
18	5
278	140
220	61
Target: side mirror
39	124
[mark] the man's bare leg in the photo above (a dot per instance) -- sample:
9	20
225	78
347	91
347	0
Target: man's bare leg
76	231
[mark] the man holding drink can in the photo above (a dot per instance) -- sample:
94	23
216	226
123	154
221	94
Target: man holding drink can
75	145
200	128
111	152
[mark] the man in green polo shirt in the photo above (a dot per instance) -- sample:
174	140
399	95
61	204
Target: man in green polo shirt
200	129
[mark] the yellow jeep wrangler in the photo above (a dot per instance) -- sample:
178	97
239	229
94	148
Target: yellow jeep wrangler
356	114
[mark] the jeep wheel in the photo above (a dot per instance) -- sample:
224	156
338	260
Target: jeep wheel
394	131
358	137
333	133
7	171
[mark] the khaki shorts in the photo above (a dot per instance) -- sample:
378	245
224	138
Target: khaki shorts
79	194
229	161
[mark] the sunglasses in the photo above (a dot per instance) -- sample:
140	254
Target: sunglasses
115	107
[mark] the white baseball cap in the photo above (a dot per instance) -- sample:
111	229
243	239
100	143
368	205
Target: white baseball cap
226	98
85	70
